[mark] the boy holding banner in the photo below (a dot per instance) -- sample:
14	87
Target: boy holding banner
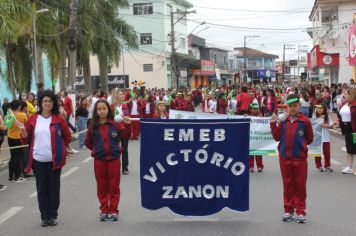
293	134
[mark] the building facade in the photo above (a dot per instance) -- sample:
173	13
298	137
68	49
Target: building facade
151	63
328	61
259	66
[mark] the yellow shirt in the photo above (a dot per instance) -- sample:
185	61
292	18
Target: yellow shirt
14	132
30	108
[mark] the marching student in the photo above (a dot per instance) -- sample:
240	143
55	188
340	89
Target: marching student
188	103
134	108
293	134
103	139
212	104
205	103
254	111
326	123
147	109
161	111
120	109
221	105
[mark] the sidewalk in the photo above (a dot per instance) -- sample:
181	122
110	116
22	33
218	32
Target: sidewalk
4	155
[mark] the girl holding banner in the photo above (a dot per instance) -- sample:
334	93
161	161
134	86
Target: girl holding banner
327	123
103	139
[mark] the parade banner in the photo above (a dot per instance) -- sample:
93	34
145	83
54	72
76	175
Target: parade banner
194	167
261	140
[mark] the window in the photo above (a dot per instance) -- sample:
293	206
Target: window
182	43
142	8
146	39
147	67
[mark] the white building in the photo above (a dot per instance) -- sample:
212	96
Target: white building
151	20
328	60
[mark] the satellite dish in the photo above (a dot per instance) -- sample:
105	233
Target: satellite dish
322	32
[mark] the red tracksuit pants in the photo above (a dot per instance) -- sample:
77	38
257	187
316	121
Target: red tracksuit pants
259	162
326	152
135	127
294	176
107	177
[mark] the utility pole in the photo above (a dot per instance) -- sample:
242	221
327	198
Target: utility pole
174	78
301	48
72	43
245	58
285	47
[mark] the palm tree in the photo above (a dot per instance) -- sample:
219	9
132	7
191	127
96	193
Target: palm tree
15	18
106	34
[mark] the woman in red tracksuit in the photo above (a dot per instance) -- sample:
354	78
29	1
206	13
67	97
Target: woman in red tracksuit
134	107
103	138
161	111
121	109
188	103
147	109
255	111
243	101
270	103
221	104
293	134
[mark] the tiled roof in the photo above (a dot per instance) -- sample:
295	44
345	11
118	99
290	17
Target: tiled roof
249	52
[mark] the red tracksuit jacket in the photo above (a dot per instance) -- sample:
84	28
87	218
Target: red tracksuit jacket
104	140
60	139
294	137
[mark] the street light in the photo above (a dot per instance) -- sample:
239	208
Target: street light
35	40
208	27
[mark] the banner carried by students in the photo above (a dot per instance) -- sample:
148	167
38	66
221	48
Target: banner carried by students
194	167
261	140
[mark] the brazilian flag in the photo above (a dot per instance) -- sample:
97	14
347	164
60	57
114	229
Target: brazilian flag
9	119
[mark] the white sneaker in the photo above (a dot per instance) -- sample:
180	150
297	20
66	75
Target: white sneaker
74	151
347	170
20	180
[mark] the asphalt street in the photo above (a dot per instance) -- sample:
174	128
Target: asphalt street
331	205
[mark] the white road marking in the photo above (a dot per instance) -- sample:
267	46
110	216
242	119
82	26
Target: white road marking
335	162
33	195
87	160
70	171
9	213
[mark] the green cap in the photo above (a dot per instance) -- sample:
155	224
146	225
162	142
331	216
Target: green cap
254	105
291	100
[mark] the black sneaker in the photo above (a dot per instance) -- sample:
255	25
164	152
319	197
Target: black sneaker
11	179
251	170
52	222
114	217
44	223
260	170
2	187
328	169
103	217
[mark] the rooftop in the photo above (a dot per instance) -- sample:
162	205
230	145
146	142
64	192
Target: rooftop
249	52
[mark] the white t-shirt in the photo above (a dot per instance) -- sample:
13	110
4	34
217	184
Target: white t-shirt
304	103
134	110
94	100
148	108
109	100
325	134
42	150
119	110
345	113
212	106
